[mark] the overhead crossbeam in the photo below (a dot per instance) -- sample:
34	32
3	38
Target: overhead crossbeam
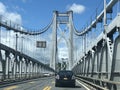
62	18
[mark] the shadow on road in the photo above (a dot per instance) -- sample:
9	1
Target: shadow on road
70	86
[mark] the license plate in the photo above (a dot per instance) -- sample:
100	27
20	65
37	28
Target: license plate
65	78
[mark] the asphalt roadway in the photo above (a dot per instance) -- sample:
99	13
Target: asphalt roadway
47	83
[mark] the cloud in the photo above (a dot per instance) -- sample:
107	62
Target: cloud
63	52
17	8
26	44
2	8
76	8
13	16
24	1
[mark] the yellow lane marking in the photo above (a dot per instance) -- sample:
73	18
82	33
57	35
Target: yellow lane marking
47	88
31	82
10	88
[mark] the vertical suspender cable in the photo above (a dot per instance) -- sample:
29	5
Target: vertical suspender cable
118	7
105	20
9	38
21	43
24	44
16	47
105	16
0	29
0	35
35	47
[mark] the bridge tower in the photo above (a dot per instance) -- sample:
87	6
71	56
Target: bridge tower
62	18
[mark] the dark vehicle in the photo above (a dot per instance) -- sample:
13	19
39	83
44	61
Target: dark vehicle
66	78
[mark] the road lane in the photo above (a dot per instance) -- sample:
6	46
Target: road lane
41	84
77	87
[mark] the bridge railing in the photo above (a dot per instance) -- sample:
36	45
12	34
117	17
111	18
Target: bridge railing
99	64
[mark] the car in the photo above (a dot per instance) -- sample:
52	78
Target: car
46	74
65	77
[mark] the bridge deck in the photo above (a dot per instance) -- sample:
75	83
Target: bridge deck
41	84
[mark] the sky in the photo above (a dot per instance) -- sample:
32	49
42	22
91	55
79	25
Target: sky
36	14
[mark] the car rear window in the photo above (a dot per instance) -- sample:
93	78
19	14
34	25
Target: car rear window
65	73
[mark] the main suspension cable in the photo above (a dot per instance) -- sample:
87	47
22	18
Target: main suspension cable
4	22
93	23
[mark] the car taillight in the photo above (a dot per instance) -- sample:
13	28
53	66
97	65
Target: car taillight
57	77
73	77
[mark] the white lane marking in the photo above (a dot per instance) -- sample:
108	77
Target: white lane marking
31	82
82	85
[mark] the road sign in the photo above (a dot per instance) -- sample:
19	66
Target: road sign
41	44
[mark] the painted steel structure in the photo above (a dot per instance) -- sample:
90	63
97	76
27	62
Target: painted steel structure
16	65
99	64
59	18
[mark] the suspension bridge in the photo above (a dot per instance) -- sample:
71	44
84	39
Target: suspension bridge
93	52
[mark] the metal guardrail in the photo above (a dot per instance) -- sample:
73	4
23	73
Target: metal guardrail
101	84
20	77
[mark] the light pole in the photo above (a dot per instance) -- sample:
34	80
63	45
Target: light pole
15	62
16	41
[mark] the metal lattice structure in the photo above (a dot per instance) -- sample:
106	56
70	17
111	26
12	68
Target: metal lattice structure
96	63
59	18
99	64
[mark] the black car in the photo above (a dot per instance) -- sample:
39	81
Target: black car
65	78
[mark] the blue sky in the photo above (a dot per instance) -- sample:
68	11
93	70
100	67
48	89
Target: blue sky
37	14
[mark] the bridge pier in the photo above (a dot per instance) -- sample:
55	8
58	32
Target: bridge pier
26	68
20	66
7	58
82	69
95	64
88	63
17	67
29	69
103	69
115	71
3	62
